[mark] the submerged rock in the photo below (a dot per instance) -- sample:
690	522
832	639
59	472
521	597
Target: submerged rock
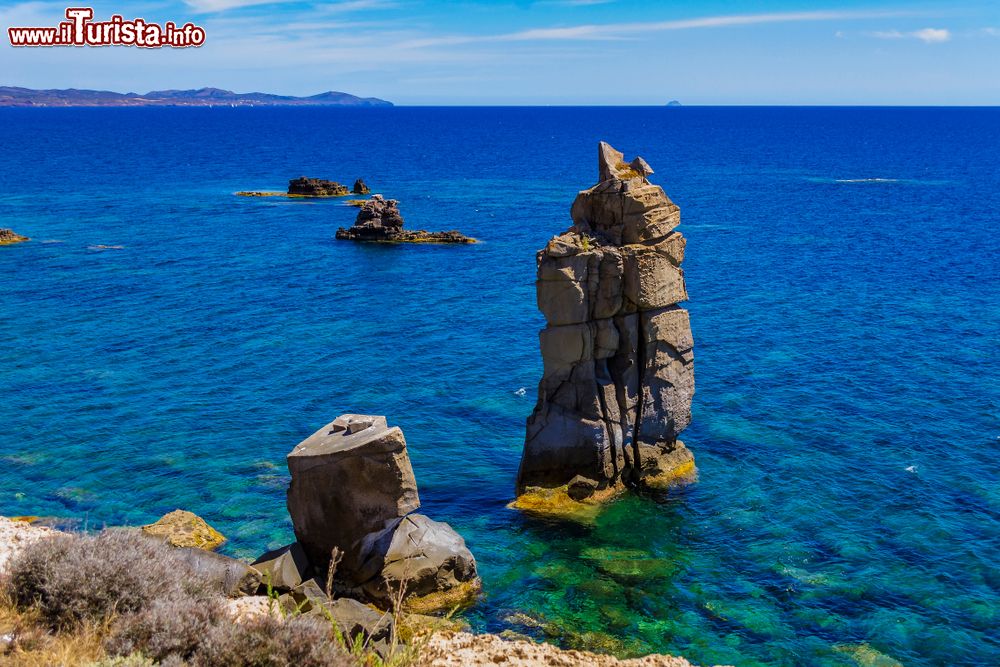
185	529
353	493
315	187
379	220
10	237
360	188
617	349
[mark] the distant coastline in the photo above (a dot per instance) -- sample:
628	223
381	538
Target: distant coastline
26	97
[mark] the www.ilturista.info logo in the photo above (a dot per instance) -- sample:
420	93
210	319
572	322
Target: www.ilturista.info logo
80	30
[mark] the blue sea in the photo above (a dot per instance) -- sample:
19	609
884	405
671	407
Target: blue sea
845	299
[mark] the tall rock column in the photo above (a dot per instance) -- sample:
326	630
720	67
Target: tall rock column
617	350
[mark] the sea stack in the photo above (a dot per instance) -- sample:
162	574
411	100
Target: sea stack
617	350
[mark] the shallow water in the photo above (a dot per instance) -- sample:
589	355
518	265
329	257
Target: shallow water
846	331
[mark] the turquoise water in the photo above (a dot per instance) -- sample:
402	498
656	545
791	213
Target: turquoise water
847	331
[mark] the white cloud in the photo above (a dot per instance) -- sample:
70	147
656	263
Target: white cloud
926	35
610	31
932	35
212	6
993	32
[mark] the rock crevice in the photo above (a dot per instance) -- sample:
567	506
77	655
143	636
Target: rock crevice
617	350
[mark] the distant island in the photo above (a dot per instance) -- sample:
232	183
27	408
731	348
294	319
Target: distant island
203	97
673	103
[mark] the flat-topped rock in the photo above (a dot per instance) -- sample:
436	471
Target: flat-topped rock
353	491
316	187
348	479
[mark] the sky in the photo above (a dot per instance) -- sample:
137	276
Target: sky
543	52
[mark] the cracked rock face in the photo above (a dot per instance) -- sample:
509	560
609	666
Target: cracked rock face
353	490
348	479
617	349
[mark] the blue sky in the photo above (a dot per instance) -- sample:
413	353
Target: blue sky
545	51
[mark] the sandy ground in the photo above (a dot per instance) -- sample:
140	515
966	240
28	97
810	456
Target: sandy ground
460	649
16	534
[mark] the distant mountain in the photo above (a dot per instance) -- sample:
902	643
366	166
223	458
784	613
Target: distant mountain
203	97
673	103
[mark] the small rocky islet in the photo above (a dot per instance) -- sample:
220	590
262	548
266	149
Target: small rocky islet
10	237
313	188
378	221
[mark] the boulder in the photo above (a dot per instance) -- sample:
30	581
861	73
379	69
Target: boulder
353	491
352	617
231	577
10	237
428	558
315	187
617	351
283	569
185	529
360	188
348	479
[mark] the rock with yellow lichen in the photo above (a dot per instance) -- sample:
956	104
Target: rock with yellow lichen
10	237
617	350
185	529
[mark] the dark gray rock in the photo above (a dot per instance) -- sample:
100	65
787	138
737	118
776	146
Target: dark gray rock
617	352
231	577
352	617
348	479
429	556
283	569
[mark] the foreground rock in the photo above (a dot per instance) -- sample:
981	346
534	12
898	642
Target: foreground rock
460	649
617	350
353	493
379	220
315	187
185	529
10	237
15	535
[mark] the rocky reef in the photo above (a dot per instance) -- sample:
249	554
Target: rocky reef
360	188
379	220
304	187
353	499
315	187
617	350
10	237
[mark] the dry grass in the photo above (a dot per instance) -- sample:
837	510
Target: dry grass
31	644
118	599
